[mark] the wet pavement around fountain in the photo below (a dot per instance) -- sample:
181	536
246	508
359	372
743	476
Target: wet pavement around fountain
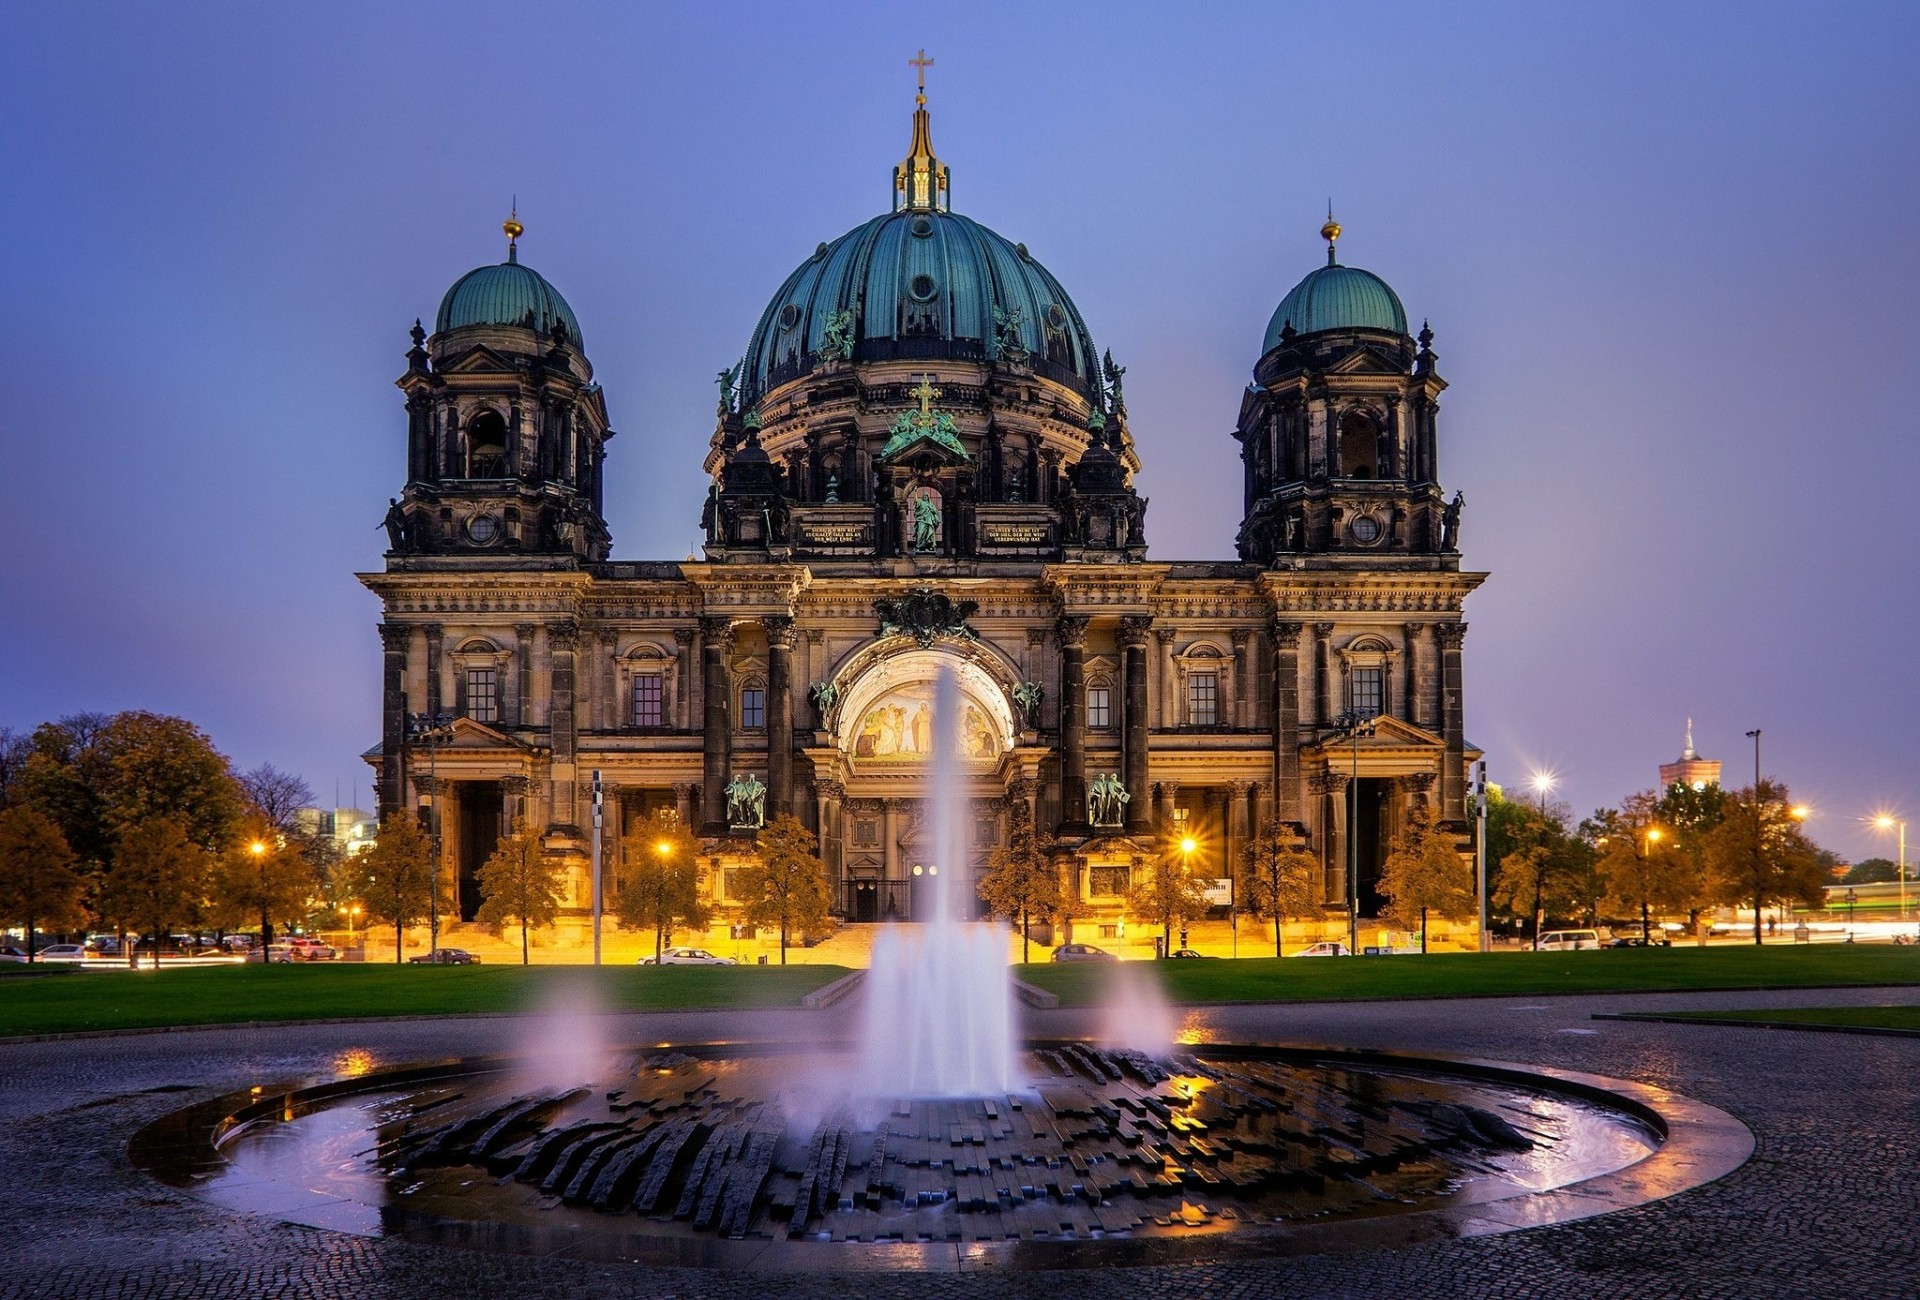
1827	1205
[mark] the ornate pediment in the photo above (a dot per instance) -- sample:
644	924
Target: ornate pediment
477	361
925	615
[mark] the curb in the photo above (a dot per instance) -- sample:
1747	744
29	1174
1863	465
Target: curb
1035	996
828	994
1654	1018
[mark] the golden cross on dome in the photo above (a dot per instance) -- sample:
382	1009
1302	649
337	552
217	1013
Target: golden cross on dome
926	392
921	63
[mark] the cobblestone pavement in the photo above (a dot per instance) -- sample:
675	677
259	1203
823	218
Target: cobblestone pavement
1828	1206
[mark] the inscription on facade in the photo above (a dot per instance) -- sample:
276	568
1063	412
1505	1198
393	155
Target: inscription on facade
835	534
1016	534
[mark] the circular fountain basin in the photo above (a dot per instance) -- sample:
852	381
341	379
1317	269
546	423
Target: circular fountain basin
759	1156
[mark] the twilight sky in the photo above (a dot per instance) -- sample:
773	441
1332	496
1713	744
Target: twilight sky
1668	252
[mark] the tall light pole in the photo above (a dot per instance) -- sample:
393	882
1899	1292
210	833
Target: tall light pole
1646	854
1350	727
1480	850
430	729
1759	890
1888	822
597	897
1543	783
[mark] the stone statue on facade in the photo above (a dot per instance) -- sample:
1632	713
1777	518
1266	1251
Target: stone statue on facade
396	525
746	802
1107	800
726	381
926	524
823	695
1006	337
1450	523
1114	375
1028	696
836	343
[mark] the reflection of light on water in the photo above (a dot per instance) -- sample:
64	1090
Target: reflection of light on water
354	1062
1192	1031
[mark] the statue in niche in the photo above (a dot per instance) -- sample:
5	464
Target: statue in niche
1028	695
746	802
824	696
926	520
396	525
1107	800
1450	523
836	343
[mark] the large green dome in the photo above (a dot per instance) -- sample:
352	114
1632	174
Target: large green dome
1335	297
507	294
921	283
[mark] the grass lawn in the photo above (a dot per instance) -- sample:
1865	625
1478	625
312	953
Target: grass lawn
74	1000
1610	970
1852	1017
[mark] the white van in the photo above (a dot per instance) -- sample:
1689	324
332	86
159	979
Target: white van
1568	940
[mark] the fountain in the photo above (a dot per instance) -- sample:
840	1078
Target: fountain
937	1140
939	993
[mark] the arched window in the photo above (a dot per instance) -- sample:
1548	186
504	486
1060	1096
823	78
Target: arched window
1367	662
1100	704
753	705
487	445
1359	446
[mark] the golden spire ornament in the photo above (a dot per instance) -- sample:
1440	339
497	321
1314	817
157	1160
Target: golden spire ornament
1330	232
513	230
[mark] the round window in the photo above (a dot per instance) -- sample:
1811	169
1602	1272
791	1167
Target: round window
483	529
1365	529
922	288
921	227
1056	315
789	316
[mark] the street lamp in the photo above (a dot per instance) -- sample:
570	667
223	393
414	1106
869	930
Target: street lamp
1850	899
1888	822
1653	837
1350	727
1187	845
431	729
1543	783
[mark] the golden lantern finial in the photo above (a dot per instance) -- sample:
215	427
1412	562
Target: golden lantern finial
513	230
920	180
1330	232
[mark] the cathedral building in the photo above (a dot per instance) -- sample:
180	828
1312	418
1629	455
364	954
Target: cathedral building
924	462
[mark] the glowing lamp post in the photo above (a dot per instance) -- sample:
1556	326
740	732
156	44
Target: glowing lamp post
259	851
1888	822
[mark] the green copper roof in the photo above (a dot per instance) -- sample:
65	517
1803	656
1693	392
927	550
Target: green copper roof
507	294
1335	297
922	283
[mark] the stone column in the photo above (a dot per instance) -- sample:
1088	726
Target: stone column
1411	698
1452	724
1238	823
716	638
829	797
779	713
436	635
522	676
683	678
1241	715
393	716
607	707
1072	631
1286	721
563	640
1332	790
1169	703
1322	675
683	801
1133	721
1163	796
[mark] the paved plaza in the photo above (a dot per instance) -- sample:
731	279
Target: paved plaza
1826	1207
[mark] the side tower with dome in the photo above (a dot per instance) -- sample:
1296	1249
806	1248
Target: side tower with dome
922	464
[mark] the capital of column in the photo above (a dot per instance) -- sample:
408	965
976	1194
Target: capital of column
1451	635
718	630
523	632
1411	631
1328	782
831	791
779	628
1133	631
1285	634
1323	630
564	635
515	783
1072	631
1240	789
683	637
395	636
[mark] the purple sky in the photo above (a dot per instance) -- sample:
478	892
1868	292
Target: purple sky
1668	252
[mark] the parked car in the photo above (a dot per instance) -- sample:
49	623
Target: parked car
1635	941
281	951
1082	952
1327	948
11	953
237	942
1568	940
445	957
307	948
1185	952
67	952
688	957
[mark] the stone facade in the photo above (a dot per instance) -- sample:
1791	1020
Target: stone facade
898	497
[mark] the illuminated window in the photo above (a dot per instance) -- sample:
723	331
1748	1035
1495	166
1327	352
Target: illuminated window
1099	708
483	694
649	701
1203	699
753	707
1368	691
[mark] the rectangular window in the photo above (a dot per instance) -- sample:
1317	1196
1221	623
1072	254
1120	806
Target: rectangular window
649	701
753	708
483	694
1099	708
1203	699
1369	690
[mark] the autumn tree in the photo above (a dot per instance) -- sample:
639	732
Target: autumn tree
1636	859
1541	869
276	796
1165	891
262	877
157	879
1424	873
39	888
660	885
1022	881
1278	880
395	879
786	885
519	886
1760	852
1872	871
